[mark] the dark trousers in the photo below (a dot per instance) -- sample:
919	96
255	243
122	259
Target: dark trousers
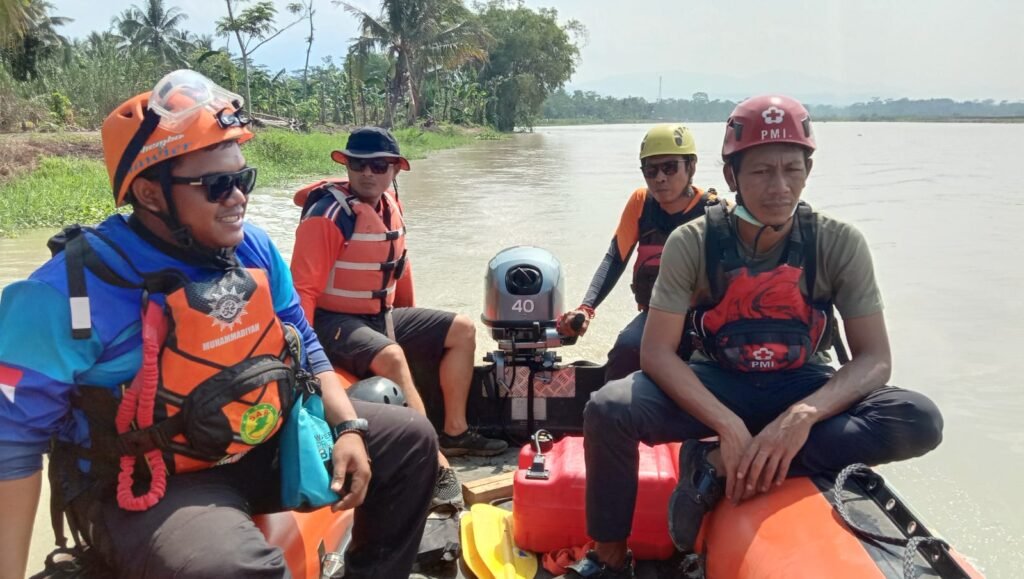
624	357
888	424
203	526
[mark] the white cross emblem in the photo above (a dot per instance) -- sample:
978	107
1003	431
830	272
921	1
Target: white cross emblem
763	354
773	115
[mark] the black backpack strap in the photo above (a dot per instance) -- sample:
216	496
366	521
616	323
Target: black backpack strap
807	223
79	256
720	252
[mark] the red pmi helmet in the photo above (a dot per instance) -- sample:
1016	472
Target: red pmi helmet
766	119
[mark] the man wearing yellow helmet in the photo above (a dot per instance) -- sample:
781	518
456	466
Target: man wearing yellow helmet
668	160
754	289
161	430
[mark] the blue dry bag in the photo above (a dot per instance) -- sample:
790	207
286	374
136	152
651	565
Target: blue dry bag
306	451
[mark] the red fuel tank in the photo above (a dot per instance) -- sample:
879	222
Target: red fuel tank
550	513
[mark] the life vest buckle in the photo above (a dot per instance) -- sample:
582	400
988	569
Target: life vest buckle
139	442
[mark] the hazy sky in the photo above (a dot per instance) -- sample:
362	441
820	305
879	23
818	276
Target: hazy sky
914	48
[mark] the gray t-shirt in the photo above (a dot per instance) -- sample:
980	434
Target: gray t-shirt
845	276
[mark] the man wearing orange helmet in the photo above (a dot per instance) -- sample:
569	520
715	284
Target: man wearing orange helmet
668	161
162	433
754	289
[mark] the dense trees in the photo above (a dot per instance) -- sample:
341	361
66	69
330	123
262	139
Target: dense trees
496	62
532	56
416	61
591	107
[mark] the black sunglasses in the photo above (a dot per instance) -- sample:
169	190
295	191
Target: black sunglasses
220	186
669	168
377	166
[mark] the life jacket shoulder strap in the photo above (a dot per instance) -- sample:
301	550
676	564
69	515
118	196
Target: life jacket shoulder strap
80	255
332	202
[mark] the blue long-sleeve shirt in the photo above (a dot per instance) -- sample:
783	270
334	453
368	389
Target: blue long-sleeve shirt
41	364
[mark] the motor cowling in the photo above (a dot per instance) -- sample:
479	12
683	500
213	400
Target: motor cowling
524	297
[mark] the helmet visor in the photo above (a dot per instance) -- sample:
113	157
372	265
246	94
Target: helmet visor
180	96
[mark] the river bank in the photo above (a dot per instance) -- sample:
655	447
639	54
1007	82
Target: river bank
53	179
858	119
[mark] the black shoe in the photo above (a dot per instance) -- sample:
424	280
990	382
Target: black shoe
699	490
590	567
471	443
447	491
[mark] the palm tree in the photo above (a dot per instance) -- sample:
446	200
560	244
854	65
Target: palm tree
155	28
38	39
417	35
14	19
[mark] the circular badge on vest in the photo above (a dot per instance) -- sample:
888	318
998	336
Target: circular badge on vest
257	423
227	307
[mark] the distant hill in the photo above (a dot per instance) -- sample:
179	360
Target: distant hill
682	84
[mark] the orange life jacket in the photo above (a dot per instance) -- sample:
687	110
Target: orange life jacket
653	230
217	378
372	260
218	375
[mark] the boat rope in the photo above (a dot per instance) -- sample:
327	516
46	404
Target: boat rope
912	546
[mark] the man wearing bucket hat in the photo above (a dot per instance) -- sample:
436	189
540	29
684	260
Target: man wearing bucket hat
668	160
353	275
754	289
163	432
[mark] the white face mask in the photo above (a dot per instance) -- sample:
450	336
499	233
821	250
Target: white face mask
747	216
744	214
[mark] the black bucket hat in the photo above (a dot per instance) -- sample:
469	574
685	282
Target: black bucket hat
371	143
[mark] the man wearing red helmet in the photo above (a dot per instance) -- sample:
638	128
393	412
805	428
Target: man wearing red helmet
753	288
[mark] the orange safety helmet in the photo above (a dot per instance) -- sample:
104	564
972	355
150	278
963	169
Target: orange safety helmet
185	112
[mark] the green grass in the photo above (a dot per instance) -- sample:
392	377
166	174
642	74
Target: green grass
284	157
64	190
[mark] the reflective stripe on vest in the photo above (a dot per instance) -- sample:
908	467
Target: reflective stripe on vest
359	295
364	277
386	236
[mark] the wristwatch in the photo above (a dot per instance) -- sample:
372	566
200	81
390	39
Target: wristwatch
360	426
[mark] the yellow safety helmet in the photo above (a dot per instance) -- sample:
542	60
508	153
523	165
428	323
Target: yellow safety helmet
668	139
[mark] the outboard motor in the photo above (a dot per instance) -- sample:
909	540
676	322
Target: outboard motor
526	387
523	300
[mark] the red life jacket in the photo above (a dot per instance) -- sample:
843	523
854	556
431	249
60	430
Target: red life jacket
760	322
364	277
218	375
655	225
